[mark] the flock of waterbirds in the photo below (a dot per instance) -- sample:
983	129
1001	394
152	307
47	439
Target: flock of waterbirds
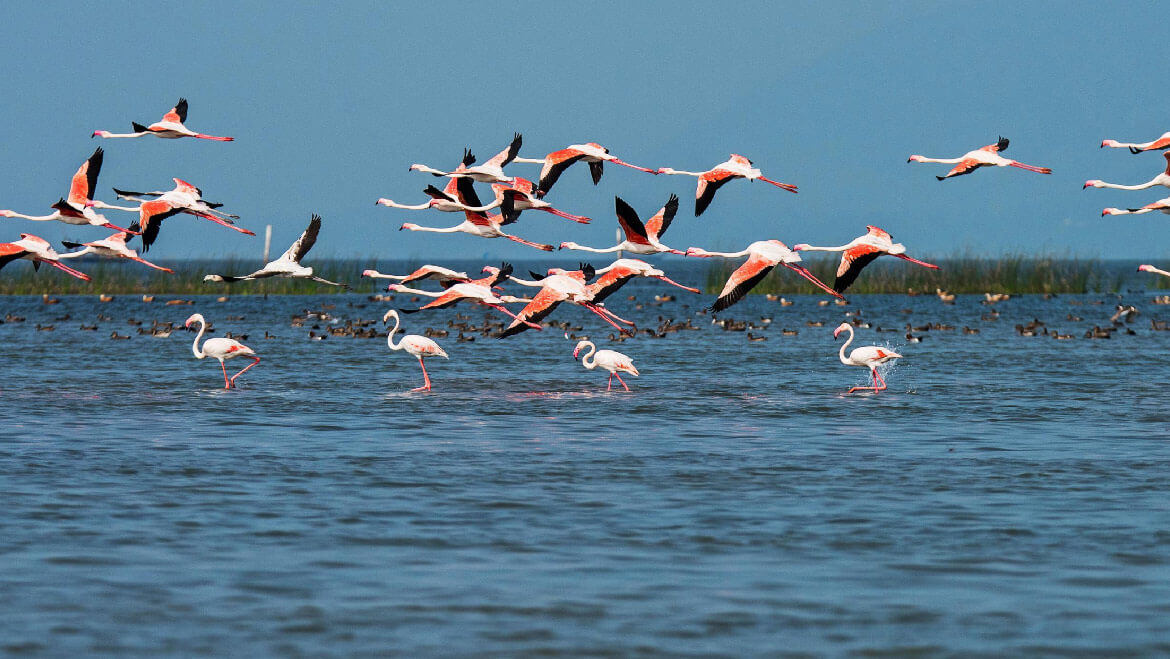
585	285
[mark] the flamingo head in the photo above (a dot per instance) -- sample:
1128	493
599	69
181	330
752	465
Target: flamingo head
212	278
1094	183
695	251
369	273
841	328
1145	267
567	245
408	225
393	313
580	345
382	201
395	287
99	133
1105	143
799	246
194	318
914	158
1110	211
5	213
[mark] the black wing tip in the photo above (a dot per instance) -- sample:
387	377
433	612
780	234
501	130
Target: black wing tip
1002	143
139	128
468	158
536	277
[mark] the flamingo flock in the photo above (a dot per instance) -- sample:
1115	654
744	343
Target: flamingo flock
586	286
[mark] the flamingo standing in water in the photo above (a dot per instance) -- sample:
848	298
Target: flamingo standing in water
711	180
491	171
476	223
868	356
1154	145
113	246
557	162
616	274
1162	205
1162	179
860	252
640	238
220	348
1149	268
763	255
419	346
609	360
169	127
37	250
981	157
76	208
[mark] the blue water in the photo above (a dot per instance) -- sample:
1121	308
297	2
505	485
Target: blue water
1006	496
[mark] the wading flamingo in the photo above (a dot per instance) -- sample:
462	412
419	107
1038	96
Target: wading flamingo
220	348
419	346
763	255
1162	205
169	127
113	246
289	264
711	180
860	252
1162	179
1155	145
557	162
1149	268
491	171
609	360
76	208
37	250
868	356
477	224
640	238
981	157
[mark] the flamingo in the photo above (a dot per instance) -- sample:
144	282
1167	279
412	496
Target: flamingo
477	224
423	272
1162	179
518	197
491	171
1162	205
557	162
289	264
981	157
75	209
860	252
616	274
868	356
445	200
560	286
37	250
1149	268
184	198
763	255
479	290
609	360
169	127
220	348
113	246
419	346
1155	145
711	180
640	238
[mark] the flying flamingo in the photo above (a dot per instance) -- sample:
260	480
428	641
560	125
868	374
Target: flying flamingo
640	238
37	250
113	246
75	209
1156	145
169	127
419	346
491	171
557	162
609	360
518	197
289	264
479	290
860	252
711	180
220	348
616	274
1162	205
981	157
183	198
1150	268
423	272
477	224
1162	179
560	286
763	255
445	200
868	356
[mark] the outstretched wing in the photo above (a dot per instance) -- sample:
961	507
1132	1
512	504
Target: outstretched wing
303	244
535	311
743	280
657	225
853	260
84	183
709	183
555	164
627	217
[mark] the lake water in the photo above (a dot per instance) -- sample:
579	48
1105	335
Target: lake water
1007	495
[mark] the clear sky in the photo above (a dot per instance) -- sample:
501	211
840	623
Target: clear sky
331	102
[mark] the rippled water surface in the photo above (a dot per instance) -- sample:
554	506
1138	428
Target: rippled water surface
1006	495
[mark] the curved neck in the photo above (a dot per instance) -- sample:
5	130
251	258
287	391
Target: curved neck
195	345
585	359
390	336
845	345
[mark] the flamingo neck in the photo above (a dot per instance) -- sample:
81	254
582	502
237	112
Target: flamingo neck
841	354
390	336
199	354
585	359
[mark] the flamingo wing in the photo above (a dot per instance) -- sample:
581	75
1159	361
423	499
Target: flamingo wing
505	272
9	252
657	225
967	166
150	217
442	195
609	283
596	169
84	183
507	155
743	280
1156	145
627	217
709	183
177	114
853	260
301	247
555	164
535	311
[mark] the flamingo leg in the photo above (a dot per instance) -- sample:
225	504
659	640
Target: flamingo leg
156	267
214	137
878	379
595	309
1031	168
115	227
675	283
913	260
626	164
226	383
505	311
609	384
426	378
576	218
613	315
255	360
803	272
619	377
76	273
546	248
784	186
219	221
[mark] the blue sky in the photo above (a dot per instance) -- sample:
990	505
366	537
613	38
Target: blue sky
331	103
